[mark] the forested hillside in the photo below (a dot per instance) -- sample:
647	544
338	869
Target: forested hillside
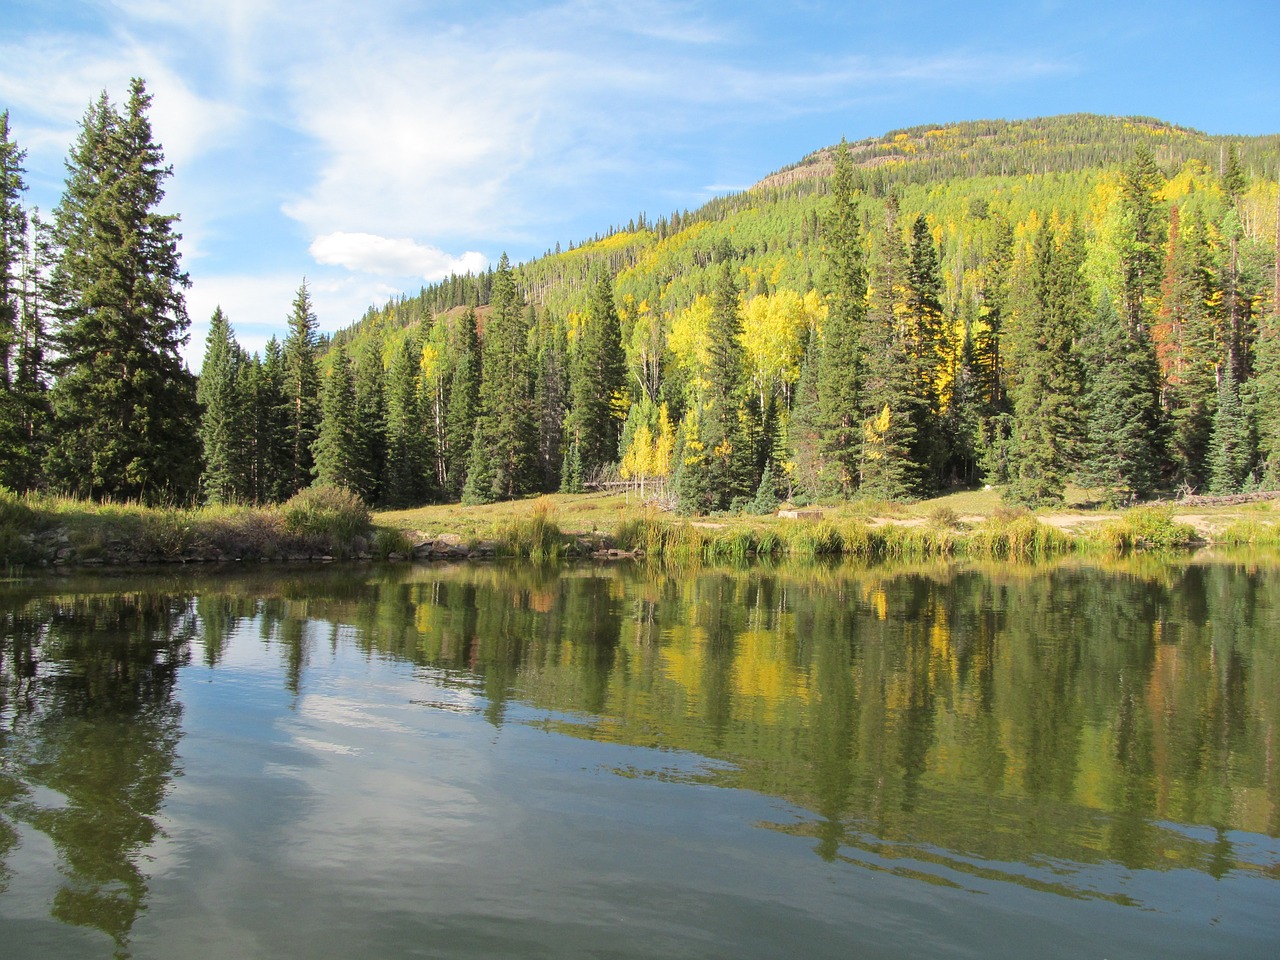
1077	299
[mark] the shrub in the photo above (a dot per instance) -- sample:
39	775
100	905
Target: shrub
331	514
1147	526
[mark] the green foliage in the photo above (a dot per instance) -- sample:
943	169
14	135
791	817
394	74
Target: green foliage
225	408
536	536
506	402
1231	447
1122	451
598	375
337	451
331	514
1046	418
301	389
1152	526
123	404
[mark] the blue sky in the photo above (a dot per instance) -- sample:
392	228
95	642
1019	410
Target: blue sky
375	146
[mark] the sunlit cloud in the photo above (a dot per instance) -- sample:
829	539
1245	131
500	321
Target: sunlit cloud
370	253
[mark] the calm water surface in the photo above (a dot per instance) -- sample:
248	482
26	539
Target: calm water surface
484	761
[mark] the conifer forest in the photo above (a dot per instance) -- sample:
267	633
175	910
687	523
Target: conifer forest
1077	300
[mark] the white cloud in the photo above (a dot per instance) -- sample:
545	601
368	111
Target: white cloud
369	253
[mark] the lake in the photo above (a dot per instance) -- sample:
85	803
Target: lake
1079	759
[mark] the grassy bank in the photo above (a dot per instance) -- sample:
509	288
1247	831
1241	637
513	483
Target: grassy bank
324	522
320	522
973	524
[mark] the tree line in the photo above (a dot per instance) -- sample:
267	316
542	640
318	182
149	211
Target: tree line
1110	328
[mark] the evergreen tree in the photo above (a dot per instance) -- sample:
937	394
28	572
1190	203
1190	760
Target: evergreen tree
302	388
463	406
479	488
1122	451
1267	398
337	449
1231	446
598	375
805	426
13	245
124	406
225	425
1046	417
990	396
1186	349
506	403
405	477
29	412
888	471
925	338
371	421
1141	241
551	400
728	425
1234	181
840	362
273	454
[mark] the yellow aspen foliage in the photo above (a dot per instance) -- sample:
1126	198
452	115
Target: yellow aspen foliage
874	431
429	362
775	329
690	338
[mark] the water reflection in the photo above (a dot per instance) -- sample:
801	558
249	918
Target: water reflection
89	737
955	725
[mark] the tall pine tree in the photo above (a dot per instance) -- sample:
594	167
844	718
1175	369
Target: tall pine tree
509	435
124	405
337	452
302	389
226	428
1046	381
1122	450
840	363
407	469
598	376
13	248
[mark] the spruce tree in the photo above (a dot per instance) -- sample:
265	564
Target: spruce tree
925	336
302	388
840	362
13	244
225	425
1231	447
1266	388
1122	450
405	477
337	450
124	406
1140	244
479	488
273	433
371	420
551	399
1046	424
598	375
728	424
463	404
1186	349
887	469
29	411
506	402
13	247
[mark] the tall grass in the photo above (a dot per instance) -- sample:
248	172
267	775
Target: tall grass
536	536
1152	526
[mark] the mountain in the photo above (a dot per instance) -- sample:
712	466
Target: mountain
1068	299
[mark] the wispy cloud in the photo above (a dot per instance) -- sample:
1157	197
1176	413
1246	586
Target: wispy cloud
386	143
